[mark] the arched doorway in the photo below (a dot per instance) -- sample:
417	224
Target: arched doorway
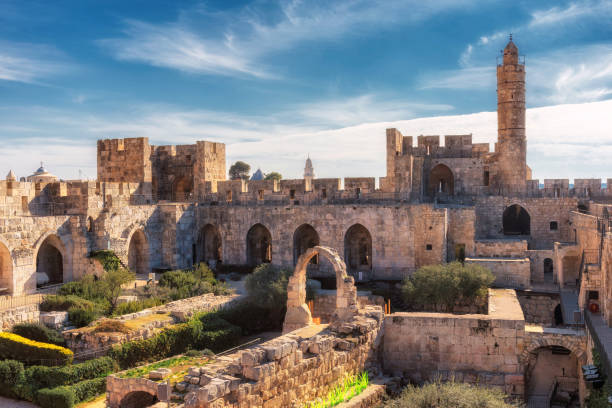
516	221
181	189
548	270
138	399
441	181
304	237
358	249
138	253
6	271
551	374
259	245
209	245
50	261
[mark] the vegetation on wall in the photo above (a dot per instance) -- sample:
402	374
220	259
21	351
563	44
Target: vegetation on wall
109	260
273	175
449	395
442	287
192	282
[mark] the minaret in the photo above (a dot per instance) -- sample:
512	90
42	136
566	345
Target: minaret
308	174
511	139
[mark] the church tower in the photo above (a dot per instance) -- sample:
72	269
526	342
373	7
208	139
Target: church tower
511	139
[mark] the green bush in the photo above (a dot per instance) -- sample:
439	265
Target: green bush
82	314
38	332
69	396
13	346
50	377
192	282
60	397
449	395
11	374
62	303
137	306
441	287
109	260
267	286
200	332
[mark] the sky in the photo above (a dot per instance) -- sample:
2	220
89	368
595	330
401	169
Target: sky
280	80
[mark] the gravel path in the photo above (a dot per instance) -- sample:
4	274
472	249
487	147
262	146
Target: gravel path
10	403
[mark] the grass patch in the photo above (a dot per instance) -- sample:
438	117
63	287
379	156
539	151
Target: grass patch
350	386
178	364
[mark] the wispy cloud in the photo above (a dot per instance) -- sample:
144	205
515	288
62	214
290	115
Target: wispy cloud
30	63
571	12
237	43
554	134
464	78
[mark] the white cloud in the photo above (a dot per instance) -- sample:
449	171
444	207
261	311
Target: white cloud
30	63
573	11
238	43
468	78
564	141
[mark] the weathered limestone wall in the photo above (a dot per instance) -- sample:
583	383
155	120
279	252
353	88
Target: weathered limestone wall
124	160
509	272
400	234
325	303
490	210
539	308
501	248
475	348
23	314
461	232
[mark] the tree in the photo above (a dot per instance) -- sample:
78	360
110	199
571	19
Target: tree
111	283
274	175
239	170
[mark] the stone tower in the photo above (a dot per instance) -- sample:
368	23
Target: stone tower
511	139
308	174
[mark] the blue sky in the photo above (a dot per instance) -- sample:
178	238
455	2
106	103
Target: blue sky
276	80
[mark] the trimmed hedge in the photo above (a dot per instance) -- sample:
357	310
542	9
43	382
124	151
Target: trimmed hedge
11	374
69	396
38	332
13	346
201	332
51	377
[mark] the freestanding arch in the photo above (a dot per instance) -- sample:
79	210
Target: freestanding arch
298	314
516	221
181	189
441	181
259	245
50	261
6	271
304	237
138	253
358	249
209	245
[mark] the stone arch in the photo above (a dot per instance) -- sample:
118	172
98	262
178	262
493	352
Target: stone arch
298	314
575	344
516	221
6	270
50	259
209	248
358	249
138	252
181	189
304	237
548	269
441	181
138	399
258	245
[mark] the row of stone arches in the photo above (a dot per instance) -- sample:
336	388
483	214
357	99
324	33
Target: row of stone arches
357	245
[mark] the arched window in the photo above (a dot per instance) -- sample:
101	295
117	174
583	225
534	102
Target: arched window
305	237
516	221
181	189
441	181
259	245
358	249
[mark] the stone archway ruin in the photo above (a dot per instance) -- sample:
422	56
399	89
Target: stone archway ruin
298	315
50	261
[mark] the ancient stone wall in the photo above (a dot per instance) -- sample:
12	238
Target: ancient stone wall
400	235
124	160
480	349
22	314
500	248
539	308
509	272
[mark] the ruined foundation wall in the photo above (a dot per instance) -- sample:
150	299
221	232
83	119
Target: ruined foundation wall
509	273
539	308
473	348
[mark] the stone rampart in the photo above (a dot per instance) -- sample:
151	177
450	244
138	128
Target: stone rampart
481	348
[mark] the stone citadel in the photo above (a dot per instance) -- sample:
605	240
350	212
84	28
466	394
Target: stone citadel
168	207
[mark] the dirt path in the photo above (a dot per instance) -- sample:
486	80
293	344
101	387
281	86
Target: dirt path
10	403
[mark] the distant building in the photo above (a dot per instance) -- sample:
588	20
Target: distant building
258	175
41	176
